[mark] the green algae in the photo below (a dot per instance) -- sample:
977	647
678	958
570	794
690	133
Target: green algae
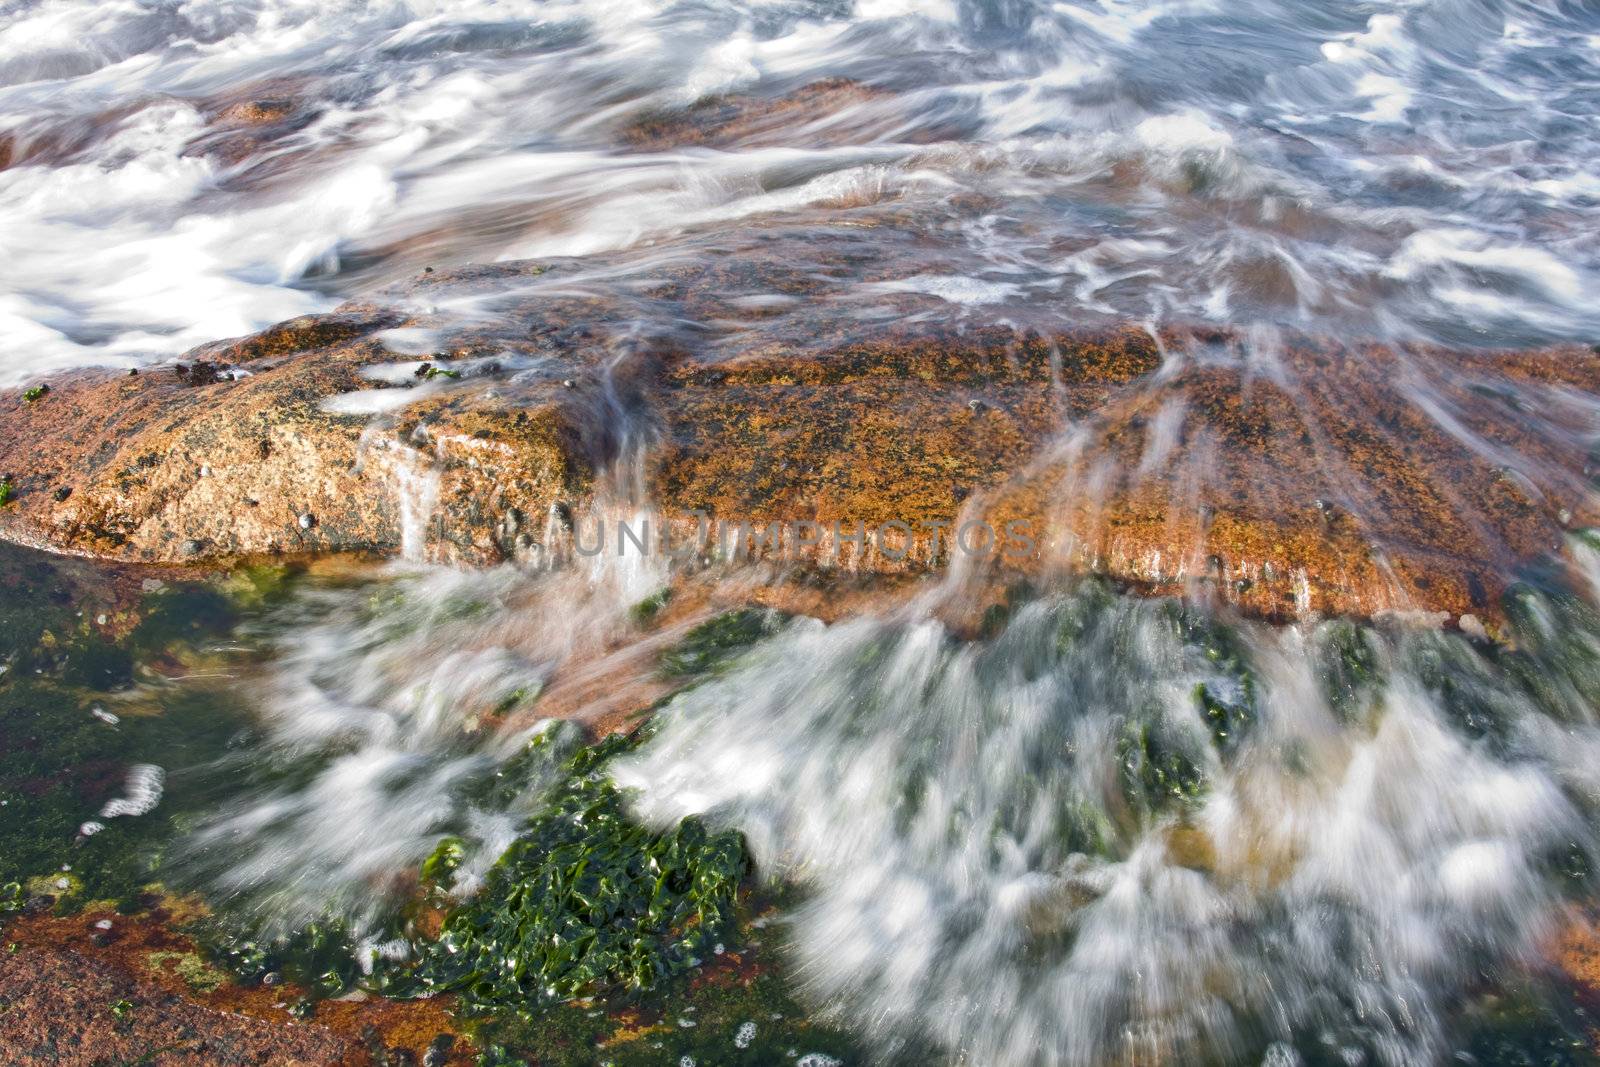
589	901
716	642
1226	698
68	737
443	861
319	957
196	973
1526	1024
1348	671
1158	767
645	611
594	939
739	1017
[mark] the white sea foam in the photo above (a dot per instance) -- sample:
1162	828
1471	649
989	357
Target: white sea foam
955	288
476	131
146	782
954	812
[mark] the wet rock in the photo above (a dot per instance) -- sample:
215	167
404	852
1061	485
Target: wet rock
833	111
70	1007
251	131
131	502
1332	484
438	1053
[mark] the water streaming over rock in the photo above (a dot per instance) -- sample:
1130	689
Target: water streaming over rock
1125	831
1120	830
173	173
1109	829
396	710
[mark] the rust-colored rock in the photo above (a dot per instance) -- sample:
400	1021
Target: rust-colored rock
827	112
66	1008
75	995
1352	480
1304	476
233	454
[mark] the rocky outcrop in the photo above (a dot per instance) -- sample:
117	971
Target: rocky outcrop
1301	476
102	987
834	111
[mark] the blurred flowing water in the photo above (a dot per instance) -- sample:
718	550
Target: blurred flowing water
1120	830
181	171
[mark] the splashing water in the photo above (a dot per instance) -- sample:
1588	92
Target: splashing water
1121	833
170	174
375	742
396	711
1120	830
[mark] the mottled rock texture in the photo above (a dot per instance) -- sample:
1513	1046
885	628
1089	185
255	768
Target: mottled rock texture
1286	475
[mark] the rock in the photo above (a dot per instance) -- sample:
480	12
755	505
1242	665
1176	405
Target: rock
1171	463
438	1053
827	113
79	1007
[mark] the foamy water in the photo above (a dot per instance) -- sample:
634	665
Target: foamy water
1035	848
1417	168
1122	830
989	872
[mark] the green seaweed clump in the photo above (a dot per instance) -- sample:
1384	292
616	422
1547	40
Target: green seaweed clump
38	392
7	491
588	901
644	612
1348	669
321	956
442	862
717	641
1156	767
734	1016
1227	699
